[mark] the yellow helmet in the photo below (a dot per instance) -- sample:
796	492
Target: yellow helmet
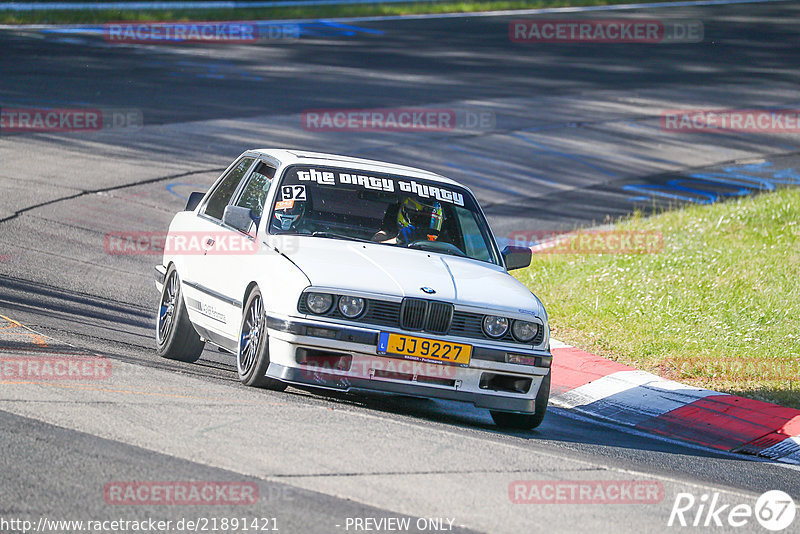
416	218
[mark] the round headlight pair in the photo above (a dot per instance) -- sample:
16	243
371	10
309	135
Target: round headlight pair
497	327
319	303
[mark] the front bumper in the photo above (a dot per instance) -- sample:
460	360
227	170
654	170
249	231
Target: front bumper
480	384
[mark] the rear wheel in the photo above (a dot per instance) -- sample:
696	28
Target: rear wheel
252	358
176	338
526	421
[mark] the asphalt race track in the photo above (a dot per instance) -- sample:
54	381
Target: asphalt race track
569	126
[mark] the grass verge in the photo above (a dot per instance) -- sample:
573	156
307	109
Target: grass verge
276	13
718	307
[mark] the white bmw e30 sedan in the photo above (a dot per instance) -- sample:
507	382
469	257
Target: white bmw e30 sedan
350	274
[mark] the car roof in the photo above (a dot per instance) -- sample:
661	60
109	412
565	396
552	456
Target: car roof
290	156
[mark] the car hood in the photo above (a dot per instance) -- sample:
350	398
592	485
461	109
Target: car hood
388	270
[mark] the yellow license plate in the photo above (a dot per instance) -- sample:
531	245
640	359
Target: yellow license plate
420	348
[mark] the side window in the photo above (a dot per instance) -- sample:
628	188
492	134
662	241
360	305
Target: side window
255	193
474	240
224	191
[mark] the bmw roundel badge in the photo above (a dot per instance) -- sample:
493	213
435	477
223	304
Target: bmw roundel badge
428	290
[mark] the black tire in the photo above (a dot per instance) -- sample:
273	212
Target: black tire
252	356
176	338
525	421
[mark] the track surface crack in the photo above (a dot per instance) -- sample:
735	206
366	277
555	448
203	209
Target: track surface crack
83	193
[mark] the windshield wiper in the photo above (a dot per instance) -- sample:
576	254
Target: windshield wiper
334	235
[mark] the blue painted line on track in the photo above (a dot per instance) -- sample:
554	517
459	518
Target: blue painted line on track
732	178
170	188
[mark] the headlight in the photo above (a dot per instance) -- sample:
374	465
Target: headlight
351	307
319	302
495	326
524	331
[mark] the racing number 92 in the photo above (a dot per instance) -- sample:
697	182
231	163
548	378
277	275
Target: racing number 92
293	192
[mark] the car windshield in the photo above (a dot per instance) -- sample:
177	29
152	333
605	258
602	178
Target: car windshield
393	210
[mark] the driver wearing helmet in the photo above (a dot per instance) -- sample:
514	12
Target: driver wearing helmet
416	220
288	215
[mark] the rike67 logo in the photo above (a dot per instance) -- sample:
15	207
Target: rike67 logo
774	510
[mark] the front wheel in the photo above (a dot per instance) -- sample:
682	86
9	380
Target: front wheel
252	358
176	338
526	421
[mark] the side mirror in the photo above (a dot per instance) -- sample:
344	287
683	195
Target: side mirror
516	257
238	217
194	201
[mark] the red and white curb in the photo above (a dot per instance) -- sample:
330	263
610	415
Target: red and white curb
598	387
